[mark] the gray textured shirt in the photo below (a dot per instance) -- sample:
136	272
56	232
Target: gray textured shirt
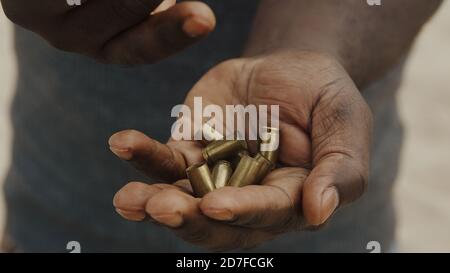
63	177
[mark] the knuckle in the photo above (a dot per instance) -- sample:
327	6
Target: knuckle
331	119
162	203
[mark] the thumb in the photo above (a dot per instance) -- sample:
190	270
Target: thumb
335	181
341	128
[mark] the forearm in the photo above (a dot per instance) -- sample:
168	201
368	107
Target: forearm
366	40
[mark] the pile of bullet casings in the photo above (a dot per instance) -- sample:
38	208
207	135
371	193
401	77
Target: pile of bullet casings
232	165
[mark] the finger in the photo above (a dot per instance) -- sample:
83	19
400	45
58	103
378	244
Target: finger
341	132
161	35
130	201
185	186
180	211
157	160
96	21
274	206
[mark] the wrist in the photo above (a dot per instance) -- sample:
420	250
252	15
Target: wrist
331	54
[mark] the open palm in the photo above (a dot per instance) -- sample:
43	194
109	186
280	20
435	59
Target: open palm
325	130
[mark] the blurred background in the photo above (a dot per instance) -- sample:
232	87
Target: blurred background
423	188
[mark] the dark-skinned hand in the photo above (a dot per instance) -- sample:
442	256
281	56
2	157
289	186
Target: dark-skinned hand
115	31
325	128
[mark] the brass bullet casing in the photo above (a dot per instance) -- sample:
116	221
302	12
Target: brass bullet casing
244	173
223	149
201	179
265	167
237	158
221	173
273	145
250	171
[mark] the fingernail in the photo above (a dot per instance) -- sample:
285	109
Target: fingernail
123	153
165	5
118	146
220	214
195	27
172	220
330	201
131	215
